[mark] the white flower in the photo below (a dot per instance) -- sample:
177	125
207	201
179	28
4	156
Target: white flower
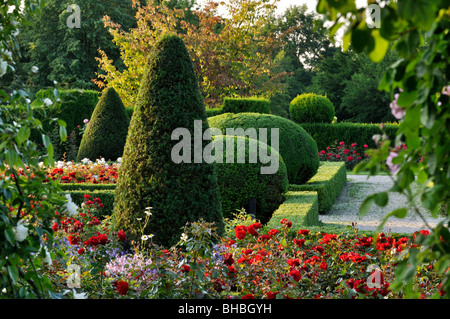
47	101
41	164
119	160
48	257
34	69
3	67
147	211
4	290
393	167
184	237
144	237
72	208
81	295
20	231
397	110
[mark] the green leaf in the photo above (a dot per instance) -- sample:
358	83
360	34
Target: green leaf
23	135
406	99
366	204
360	39
10	237
13	273
399	212
381	199
381	46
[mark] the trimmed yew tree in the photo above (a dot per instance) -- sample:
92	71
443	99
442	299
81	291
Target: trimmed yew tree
169	98
106	133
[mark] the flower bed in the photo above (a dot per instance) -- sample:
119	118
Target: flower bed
250	261
351	154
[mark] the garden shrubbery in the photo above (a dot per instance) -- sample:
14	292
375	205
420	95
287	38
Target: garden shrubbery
245	105
327	134
296	146
106	133
311	108
241	181
169	98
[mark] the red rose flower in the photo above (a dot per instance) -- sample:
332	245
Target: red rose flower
303	232
185	268
228	259
87	197
248	296
295	274
122	287
323	266
271	295
273	232
122	236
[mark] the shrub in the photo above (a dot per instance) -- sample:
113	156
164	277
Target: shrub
107	131
311	108
239	182
213	111
169	98
326	134
296	146
328	183
74	107
242	105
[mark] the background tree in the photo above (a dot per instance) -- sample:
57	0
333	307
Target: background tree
231	56
67	55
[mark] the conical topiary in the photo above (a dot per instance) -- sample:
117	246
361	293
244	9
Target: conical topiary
106	133
169	98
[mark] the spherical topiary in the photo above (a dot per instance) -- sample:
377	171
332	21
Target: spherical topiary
311	108
168	98
107	130
296	146
241	181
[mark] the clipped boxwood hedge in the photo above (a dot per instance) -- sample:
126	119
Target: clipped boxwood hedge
301	208
107	131
311	108
243	105
239	182
296	146
326	134
328	183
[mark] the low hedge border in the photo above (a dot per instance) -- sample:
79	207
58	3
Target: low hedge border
361	133
328	183
105	195
300	207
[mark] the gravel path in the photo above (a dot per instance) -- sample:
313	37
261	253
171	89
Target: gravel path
346	209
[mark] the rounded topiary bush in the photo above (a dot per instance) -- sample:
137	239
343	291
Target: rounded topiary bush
241	181
168	98
107	130
297	148
311	108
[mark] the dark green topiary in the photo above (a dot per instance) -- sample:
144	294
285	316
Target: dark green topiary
311	108
244	105
107	130
169	98
296	146
239	182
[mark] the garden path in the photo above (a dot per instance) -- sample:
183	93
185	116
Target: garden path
346	208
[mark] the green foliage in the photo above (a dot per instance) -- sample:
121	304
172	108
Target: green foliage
27	205
418	31
107	131
105	195
300	207
72	106
169	98
328	183
242	105
67	55
213	111
296	146
311	108
327	134
241	181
